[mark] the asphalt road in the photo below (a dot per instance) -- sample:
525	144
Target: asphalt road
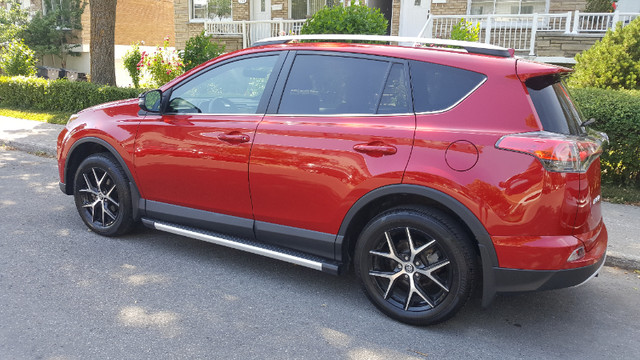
67	293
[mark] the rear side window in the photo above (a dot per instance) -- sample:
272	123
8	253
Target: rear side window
553	105
322	84
440	87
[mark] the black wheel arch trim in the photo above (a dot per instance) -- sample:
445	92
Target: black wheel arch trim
135	193
488	256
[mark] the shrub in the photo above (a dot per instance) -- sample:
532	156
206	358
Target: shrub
599	6
613	62
465	31
200	49
17	59
131	60
354	19
162	66
57	95
617	112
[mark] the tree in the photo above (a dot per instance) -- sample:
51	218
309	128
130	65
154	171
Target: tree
13	19
52	32
613	62
103	27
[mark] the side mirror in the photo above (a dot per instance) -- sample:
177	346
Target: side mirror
150	101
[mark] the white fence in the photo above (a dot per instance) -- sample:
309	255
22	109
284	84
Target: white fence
519	31
510	31
252	31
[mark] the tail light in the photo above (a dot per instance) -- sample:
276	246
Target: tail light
557	152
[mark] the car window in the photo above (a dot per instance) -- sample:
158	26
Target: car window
233	88
554	106
439	87
321	84
395	97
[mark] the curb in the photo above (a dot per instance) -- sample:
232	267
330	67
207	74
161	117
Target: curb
35	149
623	262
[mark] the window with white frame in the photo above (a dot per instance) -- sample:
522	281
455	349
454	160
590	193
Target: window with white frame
302	9
485	7
217	10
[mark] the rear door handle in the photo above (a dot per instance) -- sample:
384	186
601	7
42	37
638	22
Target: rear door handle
234	137
376	149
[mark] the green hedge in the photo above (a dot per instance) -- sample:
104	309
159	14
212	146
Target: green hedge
617	112
57	95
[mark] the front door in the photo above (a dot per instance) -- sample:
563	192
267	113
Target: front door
196	154
260	10
413	16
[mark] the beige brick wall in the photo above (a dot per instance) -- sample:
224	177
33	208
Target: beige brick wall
561	45
280	14
241	11
560	6
395	17
451	7
231	42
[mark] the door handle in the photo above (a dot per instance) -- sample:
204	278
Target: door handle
376	149
234	137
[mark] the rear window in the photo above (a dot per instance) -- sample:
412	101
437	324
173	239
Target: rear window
554	106
440	87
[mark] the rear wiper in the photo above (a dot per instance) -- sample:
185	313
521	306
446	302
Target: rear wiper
588	122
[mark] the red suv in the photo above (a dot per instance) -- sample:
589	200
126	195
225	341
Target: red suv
432	170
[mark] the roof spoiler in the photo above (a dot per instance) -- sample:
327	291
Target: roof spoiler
470	47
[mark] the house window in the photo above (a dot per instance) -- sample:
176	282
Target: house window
485	7
217	10
302	9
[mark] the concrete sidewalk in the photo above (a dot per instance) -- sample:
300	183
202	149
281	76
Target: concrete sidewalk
623	221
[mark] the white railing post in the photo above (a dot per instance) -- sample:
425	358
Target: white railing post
576	22
244	34
616	18
428	27
281	30
534	28
487	31
567	28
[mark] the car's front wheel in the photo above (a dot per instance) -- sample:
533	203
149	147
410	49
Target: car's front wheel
102	195
416	265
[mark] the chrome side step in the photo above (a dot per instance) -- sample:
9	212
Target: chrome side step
251	246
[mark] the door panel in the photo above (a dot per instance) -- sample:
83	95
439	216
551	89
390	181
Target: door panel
329	144
196	155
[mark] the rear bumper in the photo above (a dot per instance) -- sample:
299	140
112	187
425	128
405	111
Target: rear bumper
515	280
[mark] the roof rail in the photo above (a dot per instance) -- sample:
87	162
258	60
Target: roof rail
470	47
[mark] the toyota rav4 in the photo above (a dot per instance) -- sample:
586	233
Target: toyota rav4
432	167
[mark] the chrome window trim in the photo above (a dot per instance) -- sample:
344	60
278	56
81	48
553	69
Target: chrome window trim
338	115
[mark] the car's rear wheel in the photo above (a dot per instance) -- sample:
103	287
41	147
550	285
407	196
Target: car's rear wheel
102	195
416	265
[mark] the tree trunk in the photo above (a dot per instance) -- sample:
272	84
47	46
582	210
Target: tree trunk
103	26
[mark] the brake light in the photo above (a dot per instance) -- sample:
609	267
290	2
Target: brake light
557	152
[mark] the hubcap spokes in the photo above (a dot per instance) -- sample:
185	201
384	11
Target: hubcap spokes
410	273
100	197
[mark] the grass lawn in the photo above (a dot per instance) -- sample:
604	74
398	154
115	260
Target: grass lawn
621	194
48	117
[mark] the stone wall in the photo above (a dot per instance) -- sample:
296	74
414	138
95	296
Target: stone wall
449	7
562	6
241	11
231	42
563	45
395	17
282	13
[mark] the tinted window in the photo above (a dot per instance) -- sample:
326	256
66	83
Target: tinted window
319	84
233	88
553	105
395	97
439	87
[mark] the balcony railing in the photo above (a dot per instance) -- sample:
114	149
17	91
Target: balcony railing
252	31
519	31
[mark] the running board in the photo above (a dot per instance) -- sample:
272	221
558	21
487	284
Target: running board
270	251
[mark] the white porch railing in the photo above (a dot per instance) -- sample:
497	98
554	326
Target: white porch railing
252	31
519	31
600	22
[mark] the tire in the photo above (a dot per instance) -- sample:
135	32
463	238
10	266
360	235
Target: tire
416	265
102	195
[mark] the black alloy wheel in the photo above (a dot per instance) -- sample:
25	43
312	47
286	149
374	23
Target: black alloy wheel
102	195
416	265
